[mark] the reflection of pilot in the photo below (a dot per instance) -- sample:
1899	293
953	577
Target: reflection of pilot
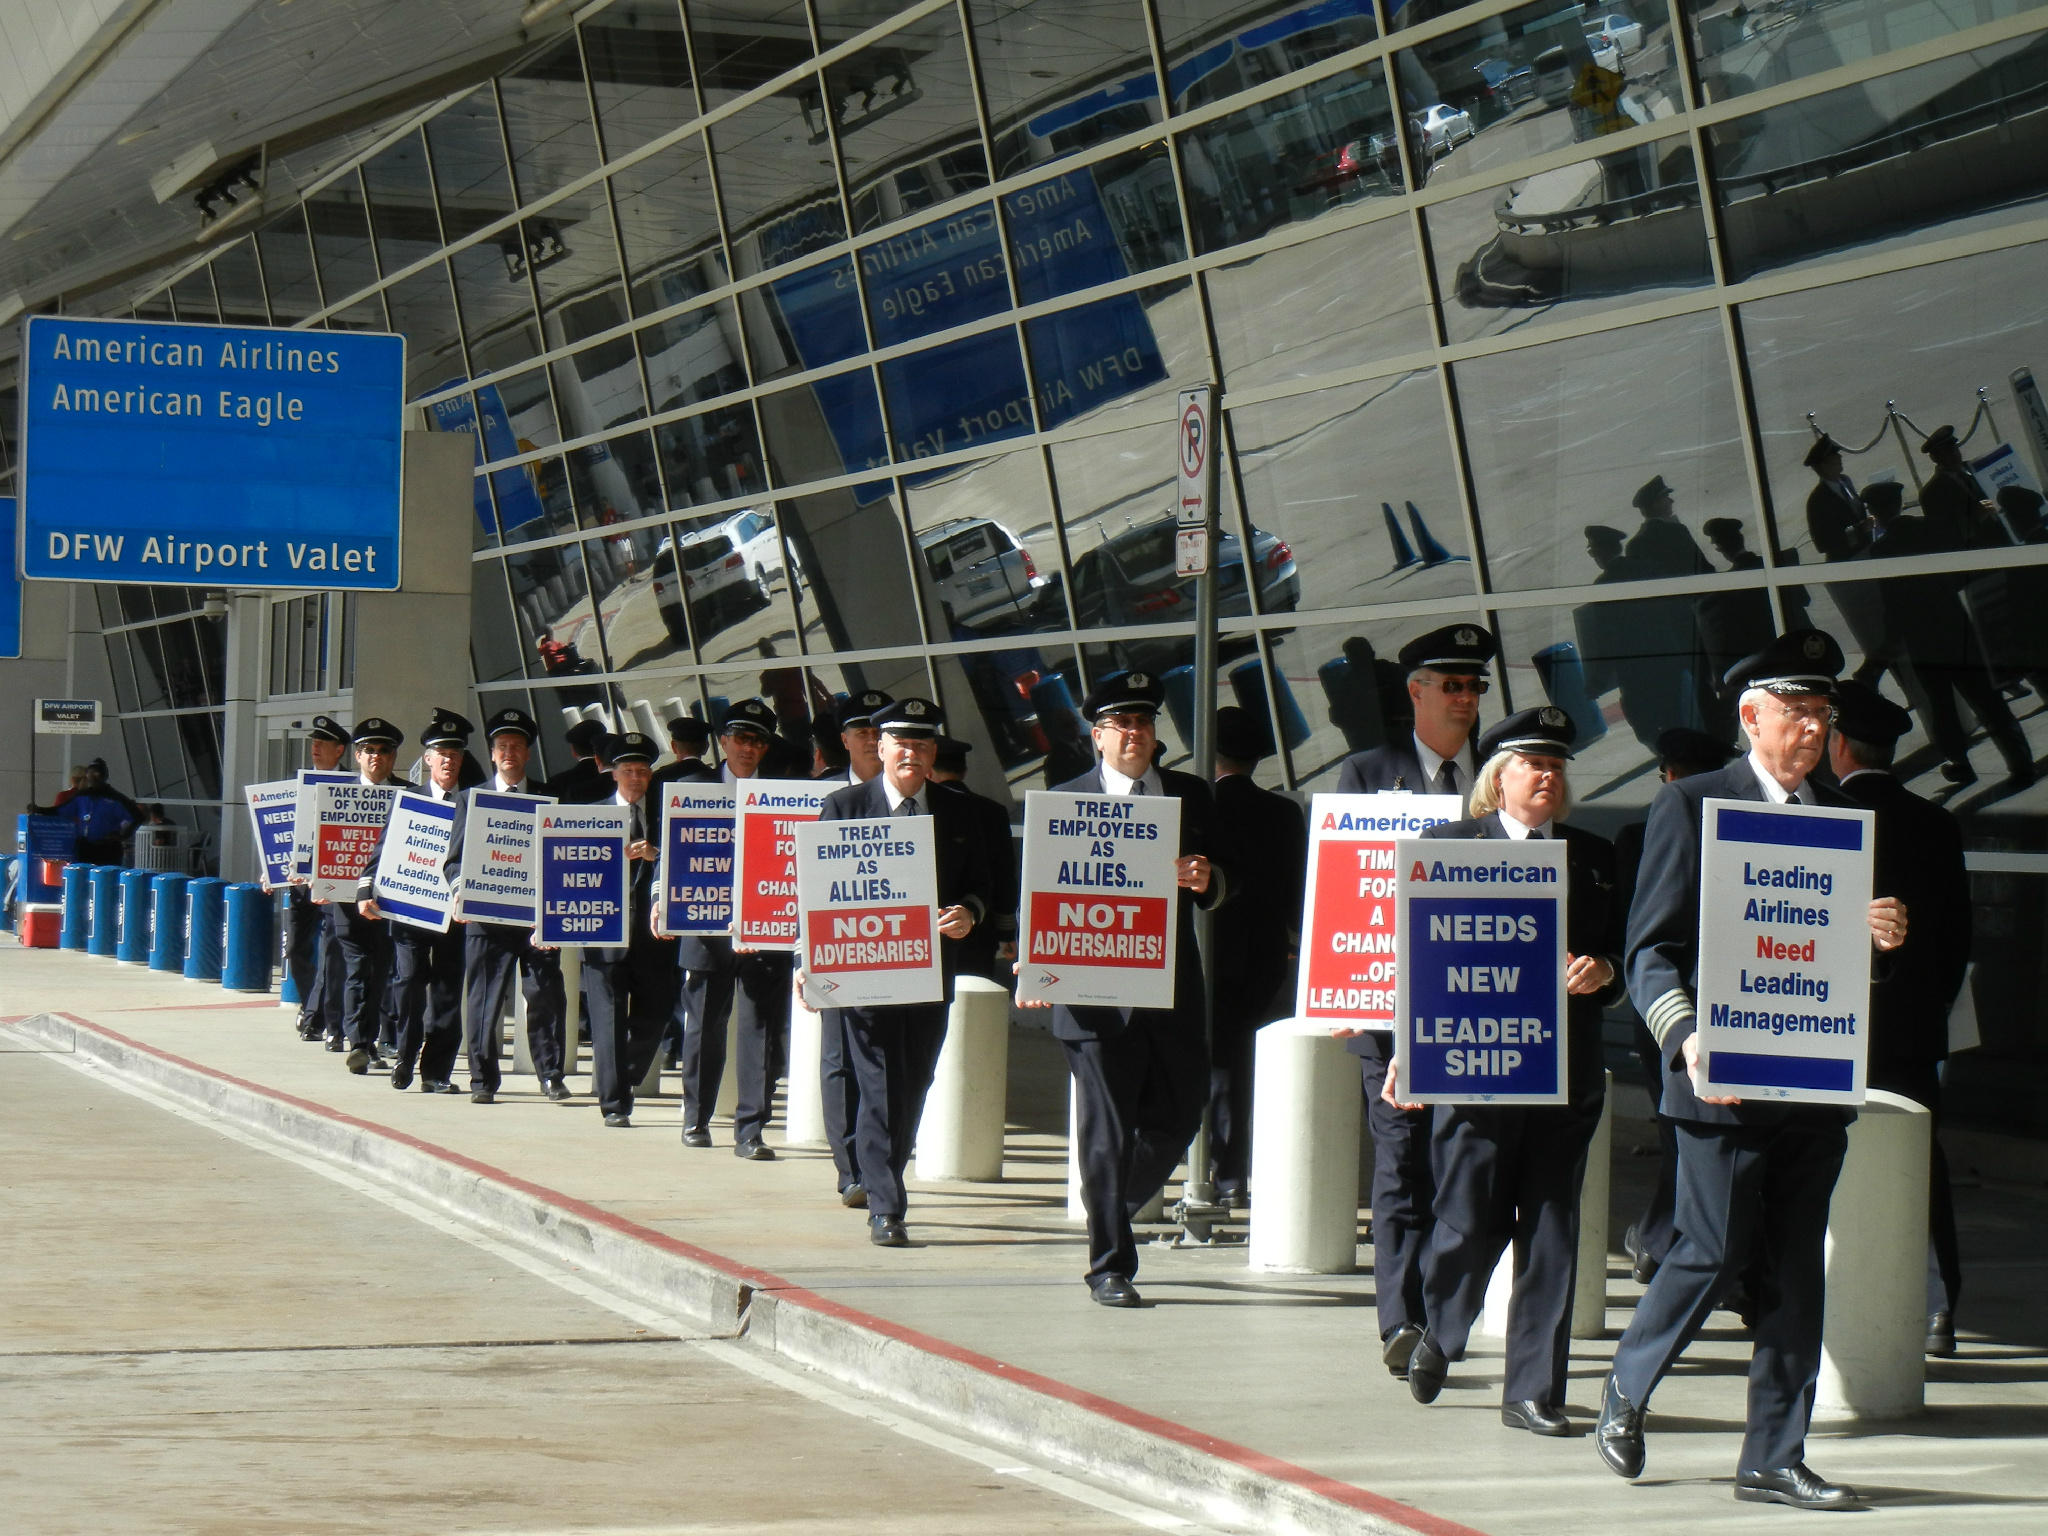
1958	513
1734	624
1652	644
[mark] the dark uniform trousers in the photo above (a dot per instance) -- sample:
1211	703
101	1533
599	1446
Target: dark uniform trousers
1740	1186
305	938
426	989
365	945
1403	1190
1655	1229
628	995
892	1053
842	1095
491	952
751	993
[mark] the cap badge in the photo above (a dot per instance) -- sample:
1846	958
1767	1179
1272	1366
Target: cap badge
913	708
1468	637
1140	680
1815	647
1551	716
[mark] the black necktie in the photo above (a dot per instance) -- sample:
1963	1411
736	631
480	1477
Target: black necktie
1446	777
908	806
635	833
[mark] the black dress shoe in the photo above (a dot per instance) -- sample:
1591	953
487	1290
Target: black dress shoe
887	1232
401	1078
619	1122
1619	1433
1398	1348
336	1044
482	1096
1941	1335
1427	1368
437	1085
753	1152
854	1197
1114	1291
309	1031
1959	772
555	1089
1642	1265
1535	1417
358	1059
696	1138
1795	1485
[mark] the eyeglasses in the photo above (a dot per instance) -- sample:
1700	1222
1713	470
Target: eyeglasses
377	749
1808	714
1128	724
1451	687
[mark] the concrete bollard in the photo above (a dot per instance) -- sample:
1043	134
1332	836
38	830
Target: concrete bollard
1155	1208
960	1133
1306	1112
167	922
105	937
1872	1364
1589	1294
803	1104
134	946
205	925
245	958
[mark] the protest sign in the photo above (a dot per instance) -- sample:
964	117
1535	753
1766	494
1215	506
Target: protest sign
346	820
1098	911
499	881
1480	998
696	860
306	818
273	814
767	813
869	895
585	877
409	885
1784	989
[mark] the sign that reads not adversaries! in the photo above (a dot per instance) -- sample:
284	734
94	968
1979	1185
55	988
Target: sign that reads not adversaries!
767	813
410	886
696	860
306	818
1784	992
499	881
585	877
273	812
1480	993
1098	911
195	454
868	891
1347	920
346	820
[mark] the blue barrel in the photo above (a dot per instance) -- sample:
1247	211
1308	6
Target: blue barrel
77	924
205	920
281	925
245	962
1248	683
1179	684
167	925
134	946
106	910
9	865
1563	677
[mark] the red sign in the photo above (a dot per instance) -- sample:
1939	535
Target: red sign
768	812
1124	931
870	939
343	853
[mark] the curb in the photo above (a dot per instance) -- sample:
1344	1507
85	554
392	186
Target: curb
1147	1457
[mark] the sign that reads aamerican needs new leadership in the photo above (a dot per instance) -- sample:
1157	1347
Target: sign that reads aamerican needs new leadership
209	454
1784	991
1098	915
696	860
585	881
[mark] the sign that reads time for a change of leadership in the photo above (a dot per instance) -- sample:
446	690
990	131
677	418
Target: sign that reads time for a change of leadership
1481	995
1347	922
1098	918
767	813
868	891
1784	988
210	454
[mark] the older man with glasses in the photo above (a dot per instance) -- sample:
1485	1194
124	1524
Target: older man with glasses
365	942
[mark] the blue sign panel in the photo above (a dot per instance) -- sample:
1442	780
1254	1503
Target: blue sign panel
198	454
10	589
583	875
487	420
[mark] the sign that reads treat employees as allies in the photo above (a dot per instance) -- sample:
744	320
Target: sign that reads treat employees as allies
767	813
1098	915
869	895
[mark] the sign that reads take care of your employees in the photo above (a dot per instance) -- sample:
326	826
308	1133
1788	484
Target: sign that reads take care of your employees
190	454
1480	996
869	891
1098	916
347	818
696	860
585	877
1347	920
1784	993
768	812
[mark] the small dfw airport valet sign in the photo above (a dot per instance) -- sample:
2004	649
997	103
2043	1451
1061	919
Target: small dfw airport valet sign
188	454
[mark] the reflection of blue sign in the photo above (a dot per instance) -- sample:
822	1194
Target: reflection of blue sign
49	837
187	454
1480	985
495	439
10	588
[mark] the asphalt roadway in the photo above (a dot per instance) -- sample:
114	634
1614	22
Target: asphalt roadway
147	1237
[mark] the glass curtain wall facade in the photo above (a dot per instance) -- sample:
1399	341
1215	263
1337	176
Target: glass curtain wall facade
812	346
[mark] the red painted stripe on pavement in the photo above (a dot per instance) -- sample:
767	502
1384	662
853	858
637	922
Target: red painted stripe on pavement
1348	1494
196	1007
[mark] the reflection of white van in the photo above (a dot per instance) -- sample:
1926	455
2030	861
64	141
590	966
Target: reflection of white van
984	574
1554	77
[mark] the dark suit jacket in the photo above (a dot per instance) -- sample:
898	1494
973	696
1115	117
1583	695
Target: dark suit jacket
1920	861
1664	937
583	783
1198	834
961	855
1266	841
1592	926
690	770
1835	521
1393	766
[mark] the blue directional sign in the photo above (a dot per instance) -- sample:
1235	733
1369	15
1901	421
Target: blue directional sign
10	589
210	455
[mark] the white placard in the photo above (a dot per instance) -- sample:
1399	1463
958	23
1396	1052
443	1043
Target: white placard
695	877
346	820
869	895
410	887
307	817
767	813
1784	988
499	881
1099	913
273	816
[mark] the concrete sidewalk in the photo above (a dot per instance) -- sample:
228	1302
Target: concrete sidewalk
1239	1398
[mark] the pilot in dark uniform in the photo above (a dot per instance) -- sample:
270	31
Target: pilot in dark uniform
894	1049
313	955
1512	1173
426	967
366	943
629	989
1749	1172
586	780
689	739
1446	678
751	987
1141	1075
1920	861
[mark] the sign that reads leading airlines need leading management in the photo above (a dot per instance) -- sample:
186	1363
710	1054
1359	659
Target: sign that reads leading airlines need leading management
210	454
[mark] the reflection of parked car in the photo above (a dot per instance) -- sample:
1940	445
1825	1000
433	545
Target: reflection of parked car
1554	76
1129	578
986	578
1508	85
1444	127
1624	35
726	570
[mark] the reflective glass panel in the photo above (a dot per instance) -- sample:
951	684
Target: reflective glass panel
193	296
639	73
736	582
775	175
239	283
669	226
1094	224
468	149
712	456
1214	51
741	44
494	639
806	320
824	429
423	311
288	268
853	589
547	121
1059	79
1743	50
341	239
557	626
401	197
903	110
1116	357
988	555
496	303
959	395
935	276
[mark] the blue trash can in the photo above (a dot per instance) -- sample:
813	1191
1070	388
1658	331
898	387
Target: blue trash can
106	910
167	923
134	946
77	925
9	864
246	957
1563	677
1248	683
205	920
1179	684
